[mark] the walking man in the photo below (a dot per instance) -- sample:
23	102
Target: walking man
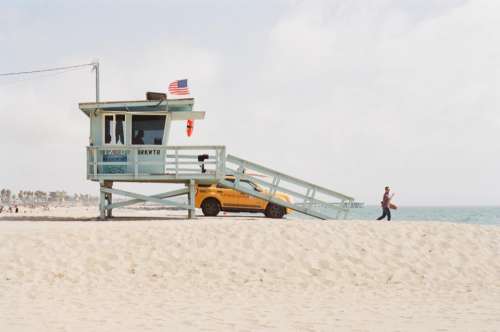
386	204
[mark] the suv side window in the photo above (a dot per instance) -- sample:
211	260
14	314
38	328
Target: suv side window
221	186
247	185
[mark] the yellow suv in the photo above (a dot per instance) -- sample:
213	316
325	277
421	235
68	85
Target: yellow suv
213	198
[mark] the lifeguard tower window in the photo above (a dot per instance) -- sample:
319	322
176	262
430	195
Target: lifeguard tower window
148	129
114	129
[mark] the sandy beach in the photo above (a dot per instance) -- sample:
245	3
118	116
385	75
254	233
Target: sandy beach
244	274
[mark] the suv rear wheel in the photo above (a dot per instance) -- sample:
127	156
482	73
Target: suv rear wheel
210	207
274	211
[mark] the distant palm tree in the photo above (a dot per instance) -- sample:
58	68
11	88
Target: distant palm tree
20	196
5	196
38	196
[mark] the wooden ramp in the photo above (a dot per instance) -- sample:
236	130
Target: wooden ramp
307	198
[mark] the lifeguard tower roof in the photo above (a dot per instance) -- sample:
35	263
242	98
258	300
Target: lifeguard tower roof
183	108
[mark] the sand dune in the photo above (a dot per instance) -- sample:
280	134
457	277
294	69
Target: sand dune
248	274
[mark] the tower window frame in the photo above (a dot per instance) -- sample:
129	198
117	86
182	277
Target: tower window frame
114	129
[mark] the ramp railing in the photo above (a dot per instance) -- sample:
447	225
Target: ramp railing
306	198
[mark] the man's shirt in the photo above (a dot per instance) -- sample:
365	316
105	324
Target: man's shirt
386	200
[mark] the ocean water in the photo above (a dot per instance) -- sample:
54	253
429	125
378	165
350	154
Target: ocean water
481	215
485	215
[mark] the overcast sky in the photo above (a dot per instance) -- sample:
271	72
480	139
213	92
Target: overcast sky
353	95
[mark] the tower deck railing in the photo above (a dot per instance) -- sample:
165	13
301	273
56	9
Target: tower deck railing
156	163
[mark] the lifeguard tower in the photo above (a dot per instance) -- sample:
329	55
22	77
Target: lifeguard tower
129	143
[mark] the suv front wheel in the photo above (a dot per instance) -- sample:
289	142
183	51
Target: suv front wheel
210	207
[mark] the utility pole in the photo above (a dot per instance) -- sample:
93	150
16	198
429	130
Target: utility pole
95	66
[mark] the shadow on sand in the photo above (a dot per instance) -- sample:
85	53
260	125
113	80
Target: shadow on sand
87	219
28	218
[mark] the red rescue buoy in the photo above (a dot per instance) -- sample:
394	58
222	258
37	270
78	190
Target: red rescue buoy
190	127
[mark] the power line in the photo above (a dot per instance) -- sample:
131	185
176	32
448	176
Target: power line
94	65
23	79
47	69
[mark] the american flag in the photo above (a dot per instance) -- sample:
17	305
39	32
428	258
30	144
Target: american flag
179	87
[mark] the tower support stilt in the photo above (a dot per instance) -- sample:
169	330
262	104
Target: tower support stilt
191	200
102	201
105	200
109	200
